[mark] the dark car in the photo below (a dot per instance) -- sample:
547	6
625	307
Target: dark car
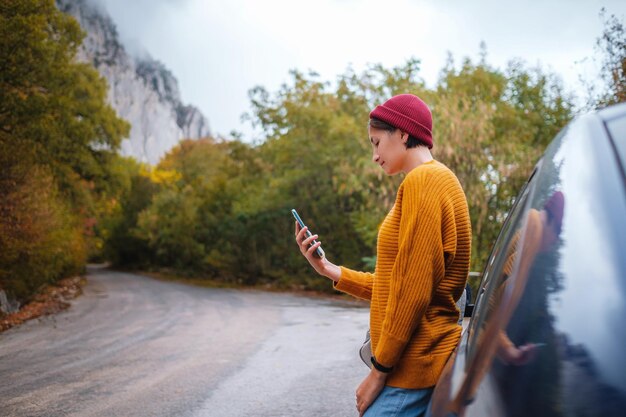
548	332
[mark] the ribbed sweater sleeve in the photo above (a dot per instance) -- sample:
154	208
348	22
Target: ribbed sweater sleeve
419	259
358	284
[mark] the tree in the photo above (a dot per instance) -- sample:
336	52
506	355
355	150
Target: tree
491	128
57	138
48	101
119	211
40	240
612	44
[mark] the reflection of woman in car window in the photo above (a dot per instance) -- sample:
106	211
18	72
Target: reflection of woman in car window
540	232
529	338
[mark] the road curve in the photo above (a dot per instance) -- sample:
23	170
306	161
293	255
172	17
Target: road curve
135	346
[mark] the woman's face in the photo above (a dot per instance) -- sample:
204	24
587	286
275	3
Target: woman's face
388	149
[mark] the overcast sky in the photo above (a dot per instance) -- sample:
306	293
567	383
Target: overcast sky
219	50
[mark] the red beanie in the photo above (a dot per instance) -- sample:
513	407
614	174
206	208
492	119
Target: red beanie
409	114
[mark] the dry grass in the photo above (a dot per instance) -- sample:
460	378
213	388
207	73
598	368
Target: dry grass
53	299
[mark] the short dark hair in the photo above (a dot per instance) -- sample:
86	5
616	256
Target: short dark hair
412	142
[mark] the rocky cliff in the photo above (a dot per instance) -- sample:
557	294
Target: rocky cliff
142	90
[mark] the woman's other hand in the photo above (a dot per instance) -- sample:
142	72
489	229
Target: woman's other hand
321	265
369	390
519	355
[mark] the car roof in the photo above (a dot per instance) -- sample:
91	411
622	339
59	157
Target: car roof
612	112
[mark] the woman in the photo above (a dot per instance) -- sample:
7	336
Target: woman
423	253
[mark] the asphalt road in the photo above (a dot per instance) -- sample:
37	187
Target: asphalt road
134	346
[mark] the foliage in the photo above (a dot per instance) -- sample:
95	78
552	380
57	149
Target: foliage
119	211
492	127
57	139
612	43
48	101
40	240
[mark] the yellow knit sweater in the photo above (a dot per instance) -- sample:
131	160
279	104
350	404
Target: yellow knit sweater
423	255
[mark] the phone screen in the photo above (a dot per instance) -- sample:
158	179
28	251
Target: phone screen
319	251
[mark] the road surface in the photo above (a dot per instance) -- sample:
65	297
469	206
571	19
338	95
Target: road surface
135	346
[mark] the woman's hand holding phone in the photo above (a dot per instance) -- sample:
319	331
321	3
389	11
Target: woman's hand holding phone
321	265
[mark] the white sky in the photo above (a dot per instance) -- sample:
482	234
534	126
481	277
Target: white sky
219	50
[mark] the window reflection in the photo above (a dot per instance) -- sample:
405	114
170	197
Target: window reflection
530	238
527	371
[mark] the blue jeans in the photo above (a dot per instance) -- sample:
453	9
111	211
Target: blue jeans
399	402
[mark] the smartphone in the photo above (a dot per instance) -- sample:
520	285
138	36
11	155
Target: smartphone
319	251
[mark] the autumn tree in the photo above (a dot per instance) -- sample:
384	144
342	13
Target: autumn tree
57	137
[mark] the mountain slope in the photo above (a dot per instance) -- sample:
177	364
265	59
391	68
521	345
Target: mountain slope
142	91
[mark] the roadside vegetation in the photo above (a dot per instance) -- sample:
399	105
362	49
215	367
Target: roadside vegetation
58	142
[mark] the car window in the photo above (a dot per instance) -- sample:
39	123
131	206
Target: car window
506	274
494	274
